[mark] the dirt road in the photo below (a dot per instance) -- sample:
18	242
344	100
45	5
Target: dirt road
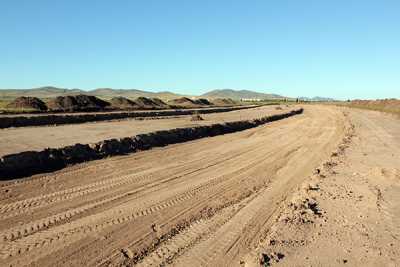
349	213
210	200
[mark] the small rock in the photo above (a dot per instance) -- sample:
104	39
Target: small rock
127	253
155	228
265	260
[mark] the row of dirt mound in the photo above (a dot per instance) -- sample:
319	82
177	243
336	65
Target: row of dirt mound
187	102
92	103
77	103
24	120
51	159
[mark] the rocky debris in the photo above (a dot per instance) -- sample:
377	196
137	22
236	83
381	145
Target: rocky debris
77	103
155	227
27	103
127	253
33	162
267	260
301	211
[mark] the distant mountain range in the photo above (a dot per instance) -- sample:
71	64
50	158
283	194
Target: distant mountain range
107	93
239	94
50	91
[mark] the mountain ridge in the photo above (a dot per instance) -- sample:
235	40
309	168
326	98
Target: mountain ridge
51	91
240	94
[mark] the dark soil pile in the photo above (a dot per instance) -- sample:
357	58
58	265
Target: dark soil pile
77	103
182	102
28	103
123	103
150	103
202	101
160	103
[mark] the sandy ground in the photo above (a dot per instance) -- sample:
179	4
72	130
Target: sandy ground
14	140
349	213
310	190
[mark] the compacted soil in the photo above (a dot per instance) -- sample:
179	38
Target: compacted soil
317	189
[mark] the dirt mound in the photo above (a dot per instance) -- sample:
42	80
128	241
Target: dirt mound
63	103
183	102
120	102
159	102
27	103
224	102
77	103
203	102
145	103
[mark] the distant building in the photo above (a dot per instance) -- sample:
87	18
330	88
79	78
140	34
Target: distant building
251	99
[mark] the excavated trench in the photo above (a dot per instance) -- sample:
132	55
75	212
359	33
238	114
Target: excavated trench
51	159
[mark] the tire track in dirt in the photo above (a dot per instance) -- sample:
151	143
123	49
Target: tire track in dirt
86	229
18	232
216	171
29	204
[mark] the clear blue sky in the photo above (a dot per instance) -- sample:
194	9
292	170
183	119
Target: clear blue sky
342	49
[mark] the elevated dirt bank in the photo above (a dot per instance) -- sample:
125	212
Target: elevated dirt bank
32	162
41	120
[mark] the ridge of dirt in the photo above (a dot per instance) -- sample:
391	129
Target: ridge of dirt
59	119
77	103
32	162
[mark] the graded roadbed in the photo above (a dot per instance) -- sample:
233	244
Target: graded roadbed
33	162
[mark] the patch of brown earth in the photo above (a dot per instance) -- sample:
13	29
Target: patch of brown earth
77	103
224	102
27	103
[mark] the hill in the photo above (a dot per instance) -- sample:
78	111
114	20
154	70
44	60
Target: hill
109	93
106	93
41	92
239	94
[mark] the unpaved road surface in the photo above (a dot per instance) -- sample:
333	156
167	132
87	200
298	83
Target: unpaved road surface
349	213
14	140
211	202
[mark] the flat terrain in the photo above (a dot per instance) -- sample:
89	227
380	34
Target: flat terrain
14	140
221	201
